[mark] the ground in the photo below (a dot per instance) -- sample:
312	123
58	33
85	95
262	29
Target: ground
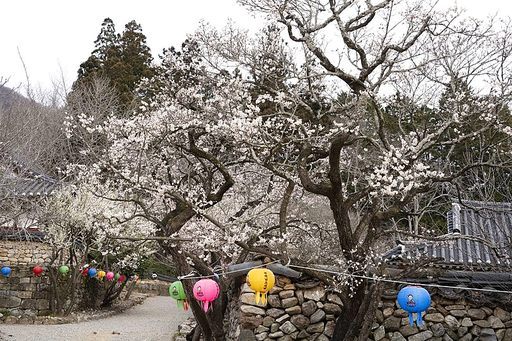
154	320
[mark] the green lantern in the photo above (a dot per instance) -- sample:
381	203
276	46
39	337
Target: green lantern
177	292
64	269
117	276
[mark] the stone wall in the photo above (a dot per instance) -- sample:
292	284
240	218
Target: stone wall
22	293
445	320
295	311
306	311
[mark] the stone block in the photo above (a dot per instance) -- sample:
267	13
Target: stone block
250	322
289	286
249	299
482	323
503	315
10	302
289	302
379	333
288	327
293	310
329	328
274	312
29	304
24	294
282	318
318	316
392	324
423	336
42	304
308	308
267	321
300	321
315	294
276	334
409	330
452	322
332	308
333	298
458	313
315	328
438	329
495	322
435	317
300	296
274	301
252	310
466	322
25	280
286	294
396	336
476	314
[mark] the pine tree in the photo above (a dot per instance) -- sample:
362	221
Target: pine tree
124	60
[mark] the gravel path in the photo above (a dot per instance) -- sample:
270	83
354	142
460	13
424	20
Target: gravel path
154	320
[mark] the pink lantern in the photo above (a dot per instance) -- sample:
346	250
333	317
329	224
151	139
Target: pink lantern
206	291
109	276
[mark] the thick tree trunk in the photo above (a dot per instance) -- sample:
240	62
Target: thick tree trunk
210	323
357	314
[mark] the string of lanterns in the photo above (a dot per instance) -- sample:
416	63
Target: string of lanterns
412	298
86	271
207	290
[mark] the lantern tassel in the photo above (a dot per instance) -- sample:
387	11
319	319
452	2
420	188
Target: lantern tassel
411	320
205	306
419	320
179	304
185	305
264	298
257	297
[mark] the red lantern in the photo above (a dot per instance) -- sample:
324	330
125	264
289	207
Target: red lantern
121	279
85	272
37	270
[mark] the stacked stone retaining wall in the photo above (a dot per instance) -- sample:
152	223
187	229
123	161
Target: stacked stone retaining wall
307	311
295	311
23	294
445	320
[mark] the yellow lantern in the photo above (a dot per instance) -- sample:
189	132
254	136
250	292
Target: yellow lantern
261	281
101	274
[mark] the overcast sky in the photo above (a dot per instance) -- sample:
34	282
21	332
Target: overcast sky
54	35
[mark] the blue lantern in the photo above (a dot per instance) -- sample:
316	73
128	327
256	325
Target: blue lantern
6	271
414	300
92	272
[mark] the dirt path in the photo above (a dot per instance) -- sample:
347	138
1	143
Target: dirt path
154	320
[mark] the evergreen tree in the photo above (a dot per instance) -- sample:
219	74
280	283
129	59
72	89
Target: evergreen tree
124	60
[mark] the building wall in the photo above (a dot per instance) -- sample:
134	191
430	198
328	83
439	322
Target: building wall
22	293
305	311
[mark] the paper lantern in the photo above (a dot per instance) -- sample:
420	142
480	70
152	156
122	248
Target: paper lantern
261	281
414	299
101	274
92	272
109	276
37	270
206	291
6	271
121	279
177	292
117	276
85	272
64	269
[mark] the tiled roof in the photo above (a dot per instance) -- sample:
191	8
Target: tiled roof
480	236
33	187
